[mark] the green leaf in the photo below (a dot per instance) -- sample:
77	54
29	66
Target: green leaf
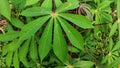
104	5
19	4
23	50
117	46
113	29
59	44
47	4
5	9
16	60
111	44
83	64
9	36
45	41
118	9
67	6
17	23
31	2
11	46
33	50
4	50
31	28
9	58
58	3
73	35
78	20
106	17
35	11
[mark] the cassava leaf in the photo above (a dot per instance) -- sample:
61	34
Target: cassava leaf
9	36
29	29
9	58
118	9
45	41
83	64
33	50
59	44
35	11
16	60
78	20
67	6
117	46
58	3
4	50
31	2
73	35
17	23
47	4
113	29
5	9
23	50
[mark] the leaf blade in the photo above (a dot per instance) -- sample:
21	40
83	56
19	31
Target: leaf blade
59	44
73	35
78	20
5	9
44	47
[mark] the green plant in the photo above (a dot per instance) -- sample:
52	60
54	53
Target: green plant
59	33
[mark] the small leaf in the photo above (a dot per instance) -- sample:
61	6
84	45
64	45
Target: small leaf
58	3
83	64
113	29
17	23
29	29
23	50
47	4
9	36
5	9
73	35
79	20
44	47
31	2
9	58
59	44
118	9
117	46
33	50
67	6
16	60
4	50
35	11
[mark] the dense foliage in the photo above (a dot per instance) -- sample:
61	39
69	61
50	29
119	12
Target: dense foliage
59	33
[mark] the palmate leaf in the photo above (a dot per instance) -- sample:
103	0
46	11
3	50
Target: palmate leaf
59	44
73	35
67	6
45	41
35	11
79	20
33	50
5	9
